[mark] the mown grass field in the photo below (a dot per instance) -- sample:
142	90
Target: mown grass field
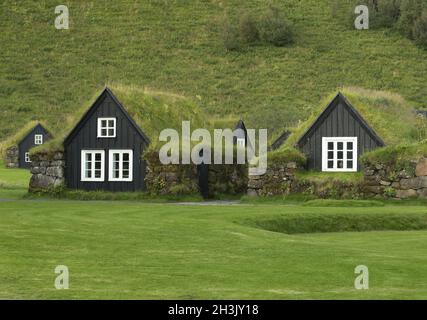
175	46
128	249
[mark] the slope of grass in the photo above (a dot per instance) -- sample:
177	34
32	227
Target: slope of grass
174	46
125	250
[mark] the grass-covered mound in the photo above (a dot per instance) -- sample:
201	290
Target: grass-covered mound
339	222
391	116
152	110
286	155
396	156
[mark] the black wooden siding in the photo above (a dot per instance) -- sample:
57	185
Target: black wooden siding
28	142
127	137
339	120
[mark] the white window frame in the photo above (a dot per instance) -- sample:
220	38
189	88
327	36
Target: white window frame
107	127
110	163
241	142
83	162
335	140
38	139
27	157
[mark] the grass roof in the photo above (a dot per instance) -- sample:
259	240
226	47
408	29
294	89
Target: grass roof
152	111
392	118
19	135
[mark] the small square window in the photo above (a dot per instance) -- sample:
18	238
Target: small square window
241	142
38	139
27	157
106	127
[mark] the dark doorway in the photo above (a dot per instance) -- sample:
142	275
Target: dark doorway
203	173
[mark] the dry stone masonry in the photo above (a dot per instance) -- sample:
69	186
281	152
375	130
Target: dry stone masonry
276	181
12	157
384	181
47	171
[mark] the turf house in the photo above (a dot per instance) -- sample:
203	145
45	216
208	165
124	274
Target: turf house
17	153
337	138
103	151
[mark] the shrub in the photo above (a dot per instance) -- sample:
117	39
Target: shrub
389	192
420	30
274	29
386	13
248	30
410	11
230	35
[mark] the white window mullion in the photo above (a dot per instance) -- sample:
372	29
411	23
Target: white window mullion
344	149
335	155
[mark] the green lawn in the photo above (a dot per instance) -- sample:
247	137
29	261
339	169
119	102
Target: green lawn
130	249
13	182
166	251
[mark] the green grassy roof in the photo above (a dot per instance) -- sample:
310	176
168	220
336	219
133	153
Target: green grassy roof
392	118
152	111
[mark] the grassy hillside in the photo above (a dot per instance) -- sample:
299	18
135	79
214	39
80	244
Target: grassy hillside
174	46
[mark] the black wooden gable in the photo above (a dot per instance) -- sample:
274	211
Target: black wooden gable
84	137
90	112
28	142
241	125
38	129
339	100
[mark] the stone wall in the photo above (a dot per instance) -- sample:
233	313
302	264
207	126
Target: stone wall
278	180
12	157
171	179
228	179
47	171
385	181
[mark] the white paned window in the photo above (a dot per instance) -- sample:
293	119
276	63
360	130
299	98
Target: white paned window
339	154
38	139
93	164
120	165
27	157
241	142
106	127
